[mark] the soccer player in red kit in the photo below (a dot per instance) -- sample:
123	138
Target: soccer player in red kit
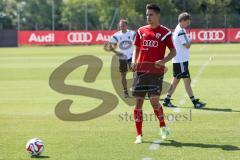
150	45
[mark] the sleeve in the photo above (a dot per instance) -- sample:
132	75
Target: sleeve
183	38
137	39
168	39
114	39
169	42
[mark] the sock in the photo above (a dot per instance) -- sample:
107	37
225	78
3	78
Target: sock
193	99
168	98
159	113
138	117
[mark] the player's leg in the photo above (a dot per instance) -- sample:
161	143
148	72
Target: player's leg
139	92
138	118
124	83
188	88
187	83
154	94
158	110
177	71
129	62
172	88
123	70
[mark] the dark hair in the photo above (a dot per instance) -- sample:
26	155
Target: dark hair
123	21
153	7
184	16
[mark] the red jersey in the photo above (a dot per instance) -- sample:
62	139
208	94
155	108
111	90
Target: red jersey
152	43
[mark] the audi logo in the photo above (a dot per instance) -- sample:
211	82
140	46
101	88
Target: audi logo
150	43
211	35
79	37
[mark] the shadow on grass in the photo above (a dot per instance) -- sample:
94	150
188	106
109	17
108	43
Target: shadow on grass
174	143
220	109
214	109
40	157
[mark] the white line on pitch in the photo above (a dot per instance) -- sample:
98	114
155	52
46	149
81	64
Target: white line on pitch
203	47
155	145
147	158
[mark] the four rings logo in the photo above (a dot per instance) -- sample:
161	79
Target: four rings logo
150	43
79	37
211	35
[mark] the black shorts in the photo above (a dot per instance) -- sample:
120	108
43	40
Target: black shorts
124	64
145	83
180	70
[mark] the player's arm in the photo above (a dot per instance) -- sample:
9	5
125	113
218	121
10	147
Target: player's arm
187	45
120	54
135	55
185	41
112	44
111	47
135	58
170	55
167	58
136	51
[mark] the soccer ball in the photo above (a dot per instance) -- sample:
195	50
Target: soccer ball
35	146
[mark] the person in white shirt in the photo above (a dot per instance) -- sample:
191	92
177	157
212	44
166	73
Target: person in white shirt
123	41
182	44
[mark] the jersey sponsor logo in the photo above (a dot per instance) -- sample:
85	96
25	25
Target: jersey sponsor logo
79	37
150	43
211	35
124	45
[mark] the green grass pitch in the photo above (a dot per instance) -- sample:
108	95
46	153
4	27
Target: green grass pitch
27	106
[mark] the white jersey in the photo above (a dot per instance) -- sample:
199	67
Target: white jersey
180	38
124	42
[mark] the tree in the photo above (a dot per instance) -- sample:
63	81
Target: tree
74	12
8	14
